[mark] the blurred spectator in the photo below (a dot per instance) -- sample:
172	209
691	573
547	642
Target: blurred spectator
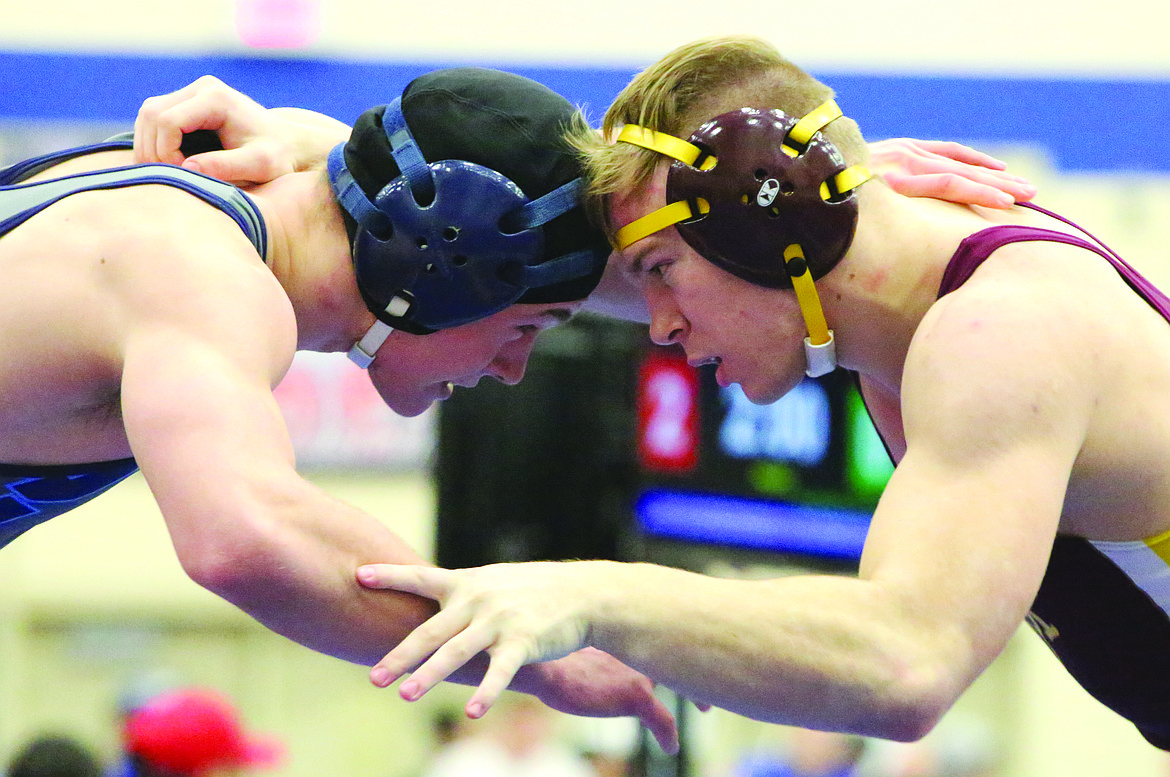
521	742
806	753
55	755
191	732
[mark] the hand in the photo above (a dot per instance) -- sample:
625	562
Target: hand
592	683
504	609
520	614
259	144
947	171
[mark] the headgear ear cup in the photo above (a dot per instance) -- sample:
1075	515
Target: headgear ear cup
763	197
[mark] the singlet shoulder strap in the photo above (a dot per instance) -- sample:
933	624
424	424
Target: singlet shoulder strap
974	250
21	201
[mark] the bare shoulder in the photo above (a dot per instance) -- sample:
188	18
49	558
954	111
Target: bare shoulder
111	262
1033	295
1032	338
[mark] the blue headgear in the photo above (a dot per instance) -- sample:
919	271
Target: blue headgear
453	241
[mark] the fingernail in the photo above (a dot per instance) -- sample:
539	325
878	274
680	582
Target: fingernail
365	574
379	676
475	710
410	691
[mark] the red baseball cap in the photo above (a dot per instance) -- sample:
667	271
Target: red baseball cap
193	730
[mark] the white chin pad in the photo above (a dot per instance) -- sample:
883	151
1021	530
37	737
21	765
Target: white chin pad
822	359
363	351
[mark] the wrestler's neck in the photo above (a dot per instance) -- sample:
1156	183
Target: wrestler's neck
309	254
877	296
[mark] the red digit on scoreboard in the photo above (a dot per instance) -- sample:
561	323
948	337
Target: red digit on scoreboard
668	413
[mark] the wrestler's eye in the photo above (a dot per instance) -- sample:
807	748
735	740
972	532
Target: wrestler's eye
658	267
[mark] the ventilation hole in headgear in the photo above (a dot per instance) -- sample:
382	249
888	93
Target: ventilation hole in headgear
773	212
422	243
787	188
706	160
459	260
697	212
761	173
450	234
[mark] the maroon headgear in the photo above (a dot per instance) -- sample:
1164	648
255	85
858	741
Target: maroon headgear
752	182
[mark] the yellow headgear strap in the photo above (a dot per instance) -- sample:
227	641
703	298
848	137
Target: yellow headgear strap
669	145
820	349
658	220
676	148
815	121
807	297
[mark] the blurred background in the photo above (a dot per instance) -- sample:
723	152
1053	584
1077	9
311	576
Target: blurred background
95	610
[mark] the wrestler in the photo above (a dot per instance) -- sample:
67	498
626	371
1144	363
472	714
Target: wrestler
1016	367
149	311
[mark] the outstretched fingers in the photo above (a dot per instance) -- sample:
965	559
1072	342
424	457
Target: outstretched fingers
956	187
948	171
426	648
960	153
506	660
431	582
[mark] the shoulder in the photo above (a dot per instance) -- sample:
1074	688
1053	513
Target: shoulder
168	262
1027	297
1027	340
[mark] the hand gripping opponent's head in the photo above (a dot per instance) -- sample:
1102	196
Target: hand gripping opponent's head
764	196
462	198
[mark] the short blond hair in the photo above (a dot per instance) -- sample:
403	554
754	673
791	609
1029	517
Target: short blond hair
689	86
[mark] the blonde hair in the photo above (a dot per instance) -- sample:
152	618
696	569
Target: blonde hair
690	85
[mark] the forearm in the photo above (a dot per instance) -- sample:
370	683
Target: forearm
290	564
813	651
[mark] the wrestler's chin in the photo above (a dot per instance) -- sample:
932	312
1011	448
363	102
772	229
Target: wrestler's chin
419	402
767	392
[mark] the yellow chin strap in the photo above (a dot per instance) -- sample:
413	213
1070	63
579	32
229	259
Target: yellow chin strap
819	347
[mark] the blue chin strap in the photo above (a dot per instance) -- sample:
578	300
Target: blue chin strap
446	243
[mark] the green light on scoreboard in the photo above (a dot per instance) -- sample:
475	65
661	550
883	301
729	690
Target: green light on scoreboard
867	466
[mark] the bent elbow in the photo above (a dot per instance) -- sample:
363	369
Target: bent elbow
916	707
228	564
911	723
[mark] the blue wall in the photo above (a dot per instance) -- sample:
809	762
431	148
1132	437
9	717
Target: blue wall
1085	124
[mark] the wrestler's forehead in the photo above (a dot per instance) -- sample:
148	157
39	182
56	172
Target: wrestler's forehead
627	208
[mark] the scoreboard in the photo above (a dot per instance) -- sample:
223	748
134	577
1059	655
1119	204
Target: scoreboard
799	476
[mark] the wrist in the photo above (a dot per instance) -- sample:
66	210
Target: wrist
535	678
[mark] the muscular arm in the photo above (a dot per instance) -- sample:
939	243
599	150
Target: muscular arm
211	442
203	424
954	557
